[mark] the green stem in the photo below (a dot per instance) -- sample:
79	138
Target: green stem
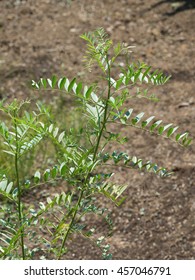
105	111
94	157
71	223
20	215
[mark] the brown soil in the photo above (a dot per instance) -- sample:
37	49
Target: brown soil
41	38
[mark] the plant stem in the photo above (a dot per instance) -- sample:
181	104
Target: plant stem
105	111
94	157
71	223
20	216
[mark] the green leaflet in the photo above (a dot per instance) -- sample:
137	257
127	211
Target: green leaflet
71	84
61	136
54	81
63	169
30	144
97	48
46	175
134	162
140	73
137	118
37	177
79	88
154	125
171	131
61	83
88	91
127	115
166	131
55	132
44	82
54	172
5	186
51	128
147	121
9	152
113	192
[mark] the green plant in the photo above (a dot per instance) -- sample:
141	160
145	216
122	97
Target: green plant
24	134
83	165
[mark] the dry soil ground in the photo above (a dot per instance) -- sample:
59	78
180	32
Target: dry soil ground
41	38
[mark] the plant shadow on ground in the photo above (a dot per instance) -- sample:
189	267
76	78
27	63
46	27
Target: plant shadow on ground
179	6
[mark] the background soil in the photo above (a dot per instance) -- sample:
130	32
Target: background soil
41	38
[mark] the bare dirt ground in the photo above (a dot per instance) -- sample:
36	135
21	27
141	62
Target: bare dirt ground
41	38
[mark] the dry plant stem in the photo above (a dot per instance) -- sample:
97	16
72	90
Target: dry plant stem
94	157
20	216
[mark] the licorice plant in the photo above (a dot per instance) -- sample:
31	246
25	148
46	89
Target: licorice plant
85	159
